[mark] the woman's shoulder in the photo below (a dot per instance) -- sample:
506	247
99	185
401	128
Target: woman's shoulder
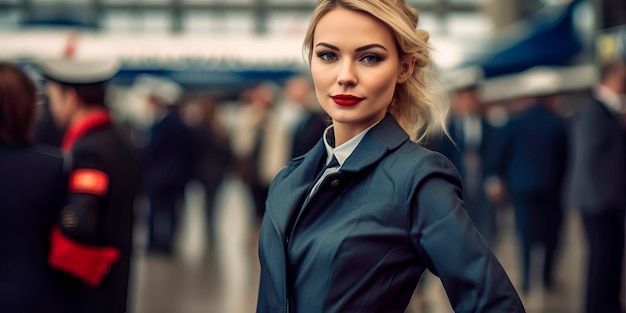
419	162
417	155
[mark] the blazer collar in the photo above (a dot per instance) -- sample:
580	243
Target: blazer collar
385	136
286	198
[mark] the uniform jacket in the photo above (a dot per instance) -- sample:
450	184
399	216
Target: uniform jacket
31	197
168	157
454	149
364	238
101	217
532	155
599	171
307	133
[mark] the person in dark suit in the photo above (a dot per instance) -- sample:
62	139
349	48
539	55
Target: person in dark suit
310	123
168	161
469	148
531	162
598	187
351	225
31	198
211	154
92	242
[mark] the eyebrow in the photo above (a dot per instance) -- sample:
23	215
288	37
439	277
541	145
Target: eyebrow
359	49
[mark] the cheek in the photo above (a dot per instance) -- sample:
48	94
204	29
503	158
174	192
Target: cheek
322	81
384	86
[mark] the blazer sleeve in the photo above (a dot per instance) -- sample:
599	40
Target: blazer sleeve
445	237
74	244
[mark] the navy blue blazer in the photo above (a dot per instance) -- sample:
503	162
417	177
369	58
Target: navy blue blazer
598	181
32	189
361	243
168	158
532	153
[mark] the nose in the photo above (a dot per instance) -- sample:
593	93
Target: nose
347	75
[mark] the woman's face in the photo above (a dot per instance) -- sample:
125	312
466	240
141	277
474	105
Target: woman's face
355	68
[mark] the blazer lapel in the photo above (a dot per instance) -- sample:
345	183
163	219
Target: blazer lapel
386	135
286	198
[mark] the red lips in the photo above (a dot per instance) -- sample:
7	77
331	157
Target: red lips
346	100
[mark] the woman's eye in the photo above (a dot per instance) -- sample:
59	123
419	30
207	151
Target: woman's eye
370	59
326	56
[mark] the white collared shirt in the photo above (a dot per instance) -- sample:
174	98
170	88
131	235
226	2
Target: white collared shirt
610	99
341	153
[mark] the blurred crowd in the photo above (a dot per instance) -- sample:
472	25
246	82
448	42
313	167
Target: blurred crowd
541	152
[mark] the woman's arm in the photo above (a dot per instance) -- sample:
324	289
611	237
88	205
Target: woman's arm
444	234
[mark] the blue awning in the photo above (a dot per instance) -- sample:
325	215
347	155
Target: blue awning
548	38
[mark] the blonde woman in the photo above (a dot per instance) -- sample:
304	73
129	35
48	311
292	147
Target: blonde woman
351	225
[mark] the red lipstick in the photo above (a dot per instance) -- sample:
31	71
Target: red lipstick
346	100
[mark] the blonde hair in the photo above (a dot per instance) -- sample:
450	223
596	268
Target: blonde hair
420	111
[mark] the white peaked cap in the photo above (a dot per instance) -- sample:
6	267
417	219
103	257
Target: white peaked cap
161	87
71	71
462	78
539	81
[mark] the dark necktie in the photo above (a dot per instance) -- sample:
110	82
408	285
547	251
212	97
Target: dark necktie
332	164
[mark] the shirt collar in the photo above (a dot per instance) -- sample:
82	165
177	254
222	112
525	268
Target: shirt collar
610	99
345	150
89	121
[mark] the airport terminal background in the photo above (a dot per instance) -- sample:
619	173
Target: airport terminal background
223	48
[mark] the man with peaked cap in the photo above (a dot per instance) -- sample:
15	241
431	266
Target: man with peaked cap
92	243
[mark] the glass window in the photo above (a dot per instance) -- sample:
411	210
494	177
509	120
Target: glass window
115	21
222	1
418	2
430	23
150	21
155	1
60	2
217	22
304	2
9	19
291	24
467	1
199	22
130	21
156	21
468	24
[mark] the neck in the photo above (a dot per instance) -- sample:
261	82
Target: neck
85	111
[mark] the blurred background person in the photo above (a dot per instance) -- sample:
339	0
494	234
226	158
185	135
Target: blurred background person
168	161
293	127
598	187
249	138
46	131
32	184
307	122
531	161
104	174
211	152
469	147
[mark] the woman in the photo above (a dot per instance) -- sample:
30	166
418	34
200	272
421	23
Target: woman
359	238
31	196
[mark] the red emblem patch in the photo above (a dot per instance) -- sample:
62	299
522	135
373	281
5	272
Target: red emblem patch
89	181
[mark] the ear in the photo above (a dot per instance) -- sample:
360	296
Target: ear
405	69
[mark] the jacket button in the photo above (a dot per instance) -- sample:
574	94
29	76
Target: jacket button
334	183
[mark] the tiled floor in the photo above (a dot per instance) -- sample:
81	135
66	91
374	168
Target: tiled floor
224	278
